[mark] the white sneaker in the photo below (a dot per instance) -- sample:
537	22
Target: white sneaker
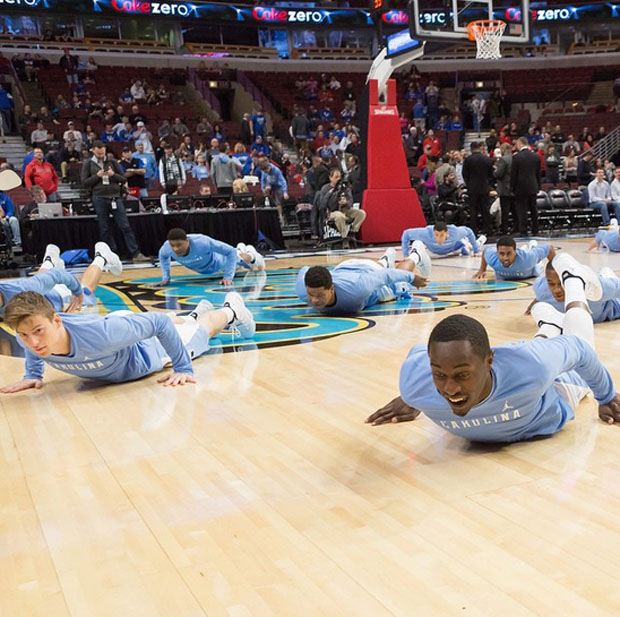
613	223
607	273
52	256
241	247
204	306
566	265
532	243
543	313
113	262
469	249
258	261
482	240
424	264
243	319
388	259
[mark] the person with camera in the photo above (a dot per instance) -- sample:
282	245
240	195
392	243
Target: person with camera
104	178
335	201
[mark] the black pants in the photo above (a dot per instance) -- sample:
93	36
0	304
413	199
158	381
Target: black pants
103	210
507	204
525	204
479	203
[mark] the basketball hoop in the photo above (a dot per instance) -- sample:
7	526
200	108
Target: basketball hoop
487	33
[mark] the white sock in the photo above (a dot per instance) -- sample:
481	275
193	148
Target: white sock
574	291
47	265
383	262
548	330
99	261
230	314
415	257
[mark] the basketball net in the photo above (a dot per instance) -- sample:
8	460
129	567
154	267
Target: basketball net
487	33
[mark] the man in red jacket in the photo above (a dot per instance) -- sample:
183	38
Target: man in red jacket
433	142
41	173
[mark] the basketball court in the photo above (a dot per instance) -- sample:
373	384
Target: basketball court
260	490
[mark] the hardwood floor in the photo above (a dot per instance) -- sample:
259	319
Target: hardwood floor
260	492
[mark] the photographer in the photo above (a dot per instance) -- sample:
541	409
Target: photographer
335	201
104	177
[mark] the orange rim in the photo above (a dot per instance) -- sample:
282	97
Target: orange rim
488	25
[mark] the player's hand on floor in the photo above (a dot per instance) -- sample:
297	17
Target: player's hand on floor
226	282
395	411
528	310
24	384
176	379
75	306
420	281
479	276
610	413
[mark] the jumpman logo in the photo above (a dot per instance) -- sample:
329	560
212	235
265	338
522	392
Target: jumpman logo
507	407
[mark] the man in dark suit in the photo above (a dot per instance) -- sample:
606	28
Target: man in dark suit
525	184
477	171
504	190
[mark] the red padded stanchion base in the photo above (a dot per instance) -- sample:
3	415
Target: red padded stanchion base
388	213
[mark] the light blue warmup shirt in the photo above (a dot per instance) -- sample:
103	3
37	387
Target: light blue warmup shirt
452	244
45	285
605	309
359	286
205	256
120	348
609	238
524	265
523	402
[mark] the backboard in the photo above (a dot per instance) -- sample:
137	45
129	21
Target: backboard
448	19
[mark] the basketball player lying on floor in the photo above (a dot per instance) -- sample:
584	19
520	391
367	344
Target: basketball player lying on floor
206	256
548	288
120	347
512	392
511	263
607	238
61	288
356	284
442	239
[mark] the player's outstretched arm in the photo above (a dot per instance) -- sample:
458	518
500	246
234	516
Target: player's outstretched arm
481	274
176	379
610	413
528	310
23	384
593	245
395	411
551	253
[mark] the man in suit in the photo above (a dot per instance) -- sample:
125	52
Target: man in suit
477	171
506	198
525	184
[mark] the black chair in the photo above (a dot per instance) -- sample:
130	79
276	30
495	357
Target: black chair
558	199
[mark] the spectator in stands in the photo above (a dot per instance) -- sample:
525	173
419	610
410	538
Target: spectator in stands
419	116
136	115
599	194
615	186
532	137
413	146
525	180
585	171
224	170
557	136
316	177
134	170
73	136
179	128
478	106
273	184
245	130
41	173
69	155
326	116
6	110
148	162
300	130
69	64
432	102
348	95
553	162
443	124
588	144
260	146
125	133
30	69
504	190
38	136
219	133
433	141
137	91
91	68
125	97
165	130
214	149
585	132
425	158
60	104
204	128
325	95
492	140
259	124
429	178
610	170
569	163
243	157
600	134
204	190
143	136
200	171
109	135
477	173
334	84
104	177
171	168
239	186
354	147
8	219
569	144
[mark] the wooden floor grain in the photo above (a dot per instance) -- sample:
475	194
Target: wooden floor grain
260	492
